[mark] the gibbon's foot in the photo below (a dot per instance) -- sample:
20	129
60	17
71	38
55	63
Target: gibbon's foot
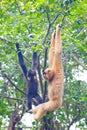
31	111
28	111
38	111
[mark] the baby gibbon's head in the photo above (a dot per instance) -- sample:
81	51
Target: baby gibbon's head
48	74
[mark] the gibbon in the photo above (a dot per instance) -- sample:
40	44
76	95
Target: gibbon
30	77
54	76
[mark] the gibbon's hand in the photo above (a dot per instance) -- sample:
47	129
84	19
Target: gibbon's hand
17	46
59	25
54	33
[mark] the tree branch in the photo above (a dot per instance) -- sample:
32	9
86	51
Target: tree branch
74	119
23	109
27	60
47	34
79	62
18	7
50	25
4	39
55	18
40	76
62	21
48	17
45	83
11	98
14	119
13	84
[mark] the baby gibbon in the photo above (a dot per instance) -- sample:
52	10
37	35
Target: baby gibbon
54	75
30	78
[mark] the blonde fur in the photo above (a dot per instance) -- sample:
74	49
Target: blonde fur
54	75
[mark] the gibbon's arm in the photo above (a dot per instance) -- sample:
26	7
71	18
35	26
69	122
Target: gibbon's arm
57	61
21	61
34	61
55	48
58	43
51	50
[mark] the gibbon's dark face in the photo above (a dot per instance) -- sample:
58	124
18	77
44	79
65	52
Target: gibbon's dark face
31	75
48	74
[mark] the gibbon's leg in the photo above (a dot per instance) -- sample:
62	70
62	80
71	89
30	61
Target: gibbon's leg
52	105
51	49
29	102
38	98
41	109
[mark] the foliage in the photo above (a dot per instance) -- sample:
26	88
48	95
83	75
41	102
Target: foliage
31	22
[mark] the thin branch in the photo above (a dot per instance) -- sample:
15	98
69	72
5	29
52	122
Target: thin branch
23	109
18	7
50	25
82	30
79	62
62	21
13	84
47	34
40	76
45	83
48	17
11	98
5	127
55	18
45	57
4	39
74	119
27	60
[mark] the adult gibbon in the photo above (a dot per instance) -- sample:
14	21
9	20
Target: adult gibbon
54	75
30	77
